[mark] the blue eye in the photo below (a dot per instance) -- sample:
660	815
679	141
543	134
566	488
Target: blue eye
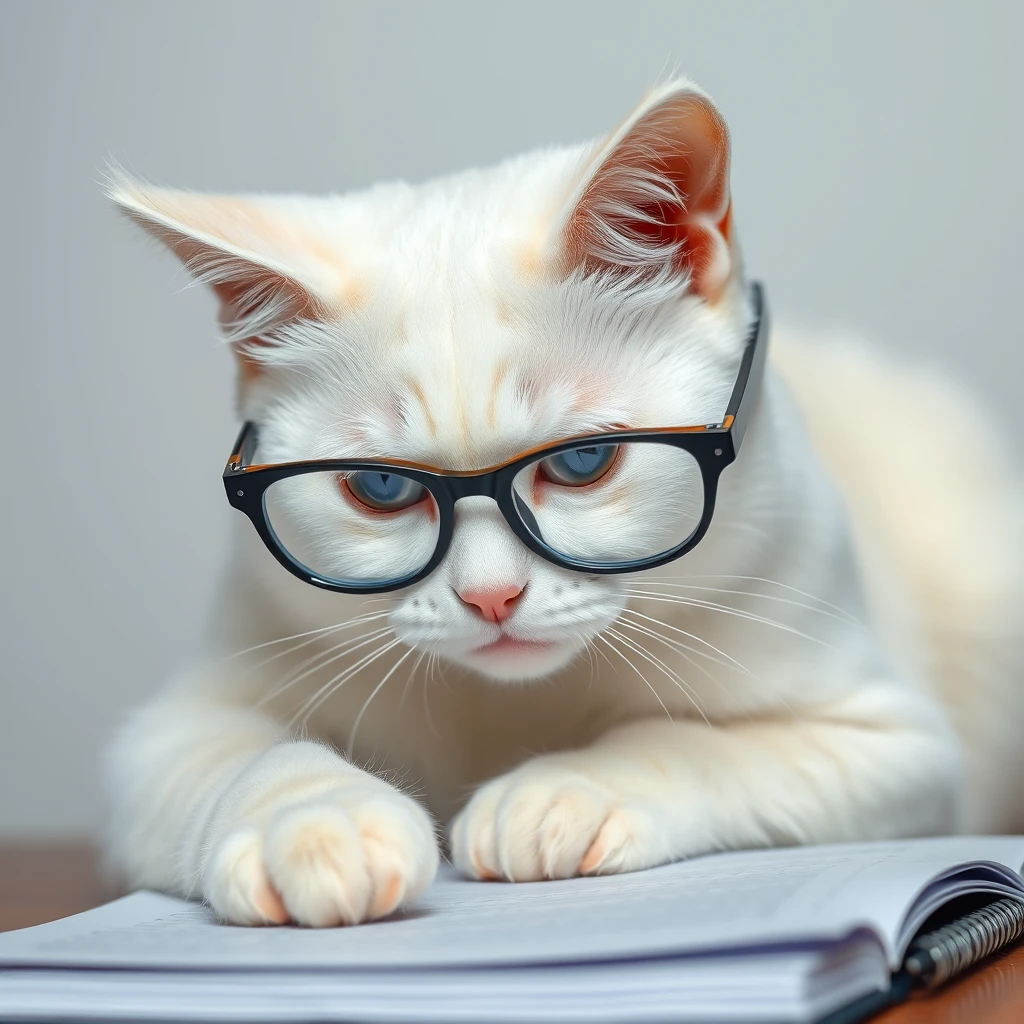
579	466
383	492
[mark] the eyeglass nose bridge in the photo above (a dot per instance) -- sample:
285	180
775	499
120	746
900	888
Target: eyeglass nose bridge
483	485
491	484
496	485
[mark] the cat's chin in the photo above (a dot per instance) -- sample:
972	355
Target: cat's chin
509	660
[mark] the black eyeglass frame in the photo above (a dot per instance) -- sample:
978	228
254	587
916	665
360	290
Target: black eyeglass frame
713	446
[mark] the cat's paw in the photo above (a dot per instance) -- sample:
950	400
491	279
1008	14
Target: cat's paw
349	855
553	821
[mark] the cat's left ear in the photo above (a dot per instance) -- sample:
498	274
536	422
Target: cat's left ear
656	195
261	259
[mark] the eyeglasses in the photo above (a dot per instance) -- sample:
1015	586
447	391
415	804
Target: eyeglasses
615	502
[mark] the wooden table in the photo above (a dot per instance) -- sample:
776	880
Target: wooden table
43	882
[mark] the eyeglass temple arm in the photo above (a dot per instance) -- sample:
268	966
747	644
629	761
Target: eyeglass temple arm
747	389
245	445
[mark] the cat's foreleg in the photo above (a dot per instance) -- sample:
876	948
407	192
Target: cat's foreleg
877	763
212	799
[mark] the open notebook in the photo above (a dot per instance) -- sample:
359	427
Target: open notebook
780	935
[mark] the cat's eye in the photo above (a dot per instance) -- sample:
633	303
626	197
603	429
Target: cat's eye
381	491
579	466
376	542
658	510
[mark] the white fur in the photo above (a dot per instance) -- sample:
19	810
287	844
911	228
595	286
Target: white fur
836	660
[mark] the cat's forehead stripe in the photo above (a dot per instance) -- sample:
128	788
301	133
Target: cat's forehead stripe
417	392
501	371
474	414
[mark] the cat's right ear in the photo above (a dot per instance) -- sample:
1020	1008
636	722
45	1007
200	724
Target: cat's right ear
265	269
654	196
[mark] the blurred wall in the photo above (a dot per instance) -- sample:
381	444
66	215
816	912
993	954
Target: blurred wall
878	155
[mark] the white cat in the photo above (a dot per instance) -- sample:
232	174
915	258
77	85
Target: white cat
838	658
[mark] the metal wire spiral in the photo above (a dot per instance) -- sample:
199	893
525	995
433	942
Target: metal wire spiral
937	956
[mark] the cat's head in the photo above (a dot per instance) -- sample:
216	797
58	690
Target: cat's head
461	322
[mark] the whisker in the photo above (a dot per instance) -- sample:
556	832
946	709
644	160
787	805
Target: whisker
598	651
725	610
440	673
681	649
285	639
408	682
321	660
362	711
657	697
339	680
788	707
681	683
591	663
691	636
318	660
317	699
844	617
684	650
427	682
773	583
362	621
678	645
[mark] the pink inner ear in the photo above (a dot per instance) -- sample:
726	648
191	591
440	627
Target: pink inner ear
240	296
700	224
261	267
685	141
245	290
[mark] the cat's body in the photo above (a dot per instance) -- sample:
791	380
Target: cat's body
844	664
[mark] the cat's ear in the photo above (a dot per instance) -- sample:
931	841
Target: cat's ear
655	195
266	271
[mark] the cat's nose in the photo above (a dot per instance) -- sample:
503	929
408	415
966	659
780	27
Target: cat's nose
494	605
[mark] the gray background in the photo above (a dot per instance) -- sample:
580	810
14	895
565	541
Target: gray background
878	162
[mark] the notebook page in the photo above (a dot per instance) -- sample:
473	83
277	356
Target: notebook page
748	899
799	985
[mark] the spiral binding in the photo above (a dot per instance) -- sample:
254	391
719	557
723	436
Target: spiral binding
939	955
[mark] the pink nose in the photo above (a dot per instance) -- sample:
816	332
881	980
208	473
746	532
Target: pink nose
493	605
